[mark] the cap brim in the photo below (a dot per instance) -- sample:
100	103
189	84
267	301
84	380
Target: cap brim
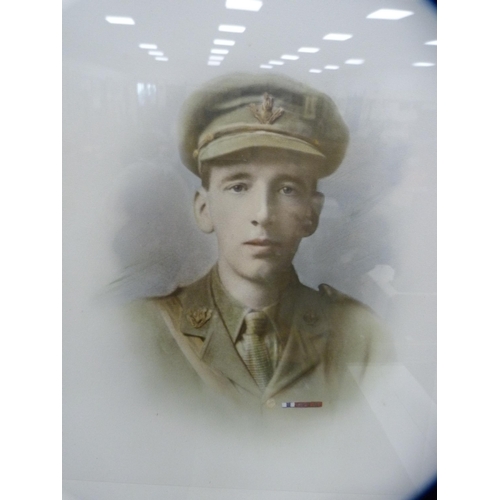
262	139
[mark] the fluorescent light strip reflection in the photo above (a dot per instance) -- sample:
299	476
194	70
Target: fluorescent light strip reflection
155	53
252	5
229	43
161	58
339	37
231	28
219	51
355	61
314	71
148	46
423	64
213	63
432	42
289	57
390	14
277	63
331	66
119	20
266	66
308	50
216	58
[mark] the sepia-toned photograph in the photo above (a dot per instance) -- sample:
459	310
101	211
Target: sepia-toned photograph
249	328
249	205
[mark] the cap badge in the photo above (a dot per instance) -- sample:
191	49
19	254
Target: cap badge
265	113
198	317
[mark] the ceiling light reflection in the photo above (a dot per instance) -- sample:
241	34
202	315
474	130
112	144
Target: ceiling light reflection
119	20
219	51
252	5
161	58
231	28
308	50
423	64
331	66
315	71
277	63
390	14
218	41
213	63
155	53
432	42
355	61
216	58
339	37
148	46
289	57
266	66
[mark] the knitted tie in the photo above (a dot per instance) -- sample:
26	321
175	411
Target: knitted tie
257	356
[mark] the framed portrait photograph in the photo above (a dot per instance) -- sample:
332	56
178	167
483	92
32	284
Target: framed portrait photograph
249	217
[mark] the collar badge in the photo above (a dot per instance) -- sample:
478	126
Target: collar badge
198	317
310	317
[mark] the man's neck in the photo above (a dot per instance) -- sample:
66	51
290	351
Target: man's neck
254	294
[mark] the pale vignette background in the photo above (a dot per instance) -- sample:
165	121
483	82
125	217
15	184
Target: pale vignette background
127	217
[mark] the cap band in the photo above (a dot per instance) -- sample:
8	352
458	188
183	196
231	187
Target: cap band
241	140
233	130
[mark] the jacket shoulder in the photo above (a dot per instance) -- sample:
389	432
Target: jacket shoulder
336	297
364	335
328	298
183	295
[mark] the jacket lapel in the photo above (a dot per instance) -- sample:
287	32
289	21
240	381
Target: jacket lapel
299	357
221	354
302	351
218	349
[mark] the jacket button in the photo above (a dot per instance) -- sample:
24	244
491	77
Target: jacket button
271	403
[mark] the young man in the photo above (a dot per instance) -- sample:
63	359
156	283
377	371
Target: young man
249	328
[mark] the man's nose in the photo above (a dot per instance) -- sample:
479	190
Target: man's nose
263	210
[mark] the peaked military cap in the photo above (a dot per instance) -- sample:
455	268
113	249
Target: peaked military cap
243	111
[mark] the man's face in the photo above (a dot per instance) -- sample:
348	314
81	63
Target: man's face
260	210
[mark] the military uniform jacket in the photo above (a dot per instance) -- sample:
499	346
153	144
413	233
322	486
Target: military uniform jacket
326	331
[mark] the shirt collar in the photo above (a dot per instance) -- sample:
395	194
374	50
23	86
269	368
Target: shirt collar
233	312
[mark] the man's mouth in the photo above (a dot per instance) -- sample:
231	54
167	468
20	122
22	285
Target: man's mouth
262	242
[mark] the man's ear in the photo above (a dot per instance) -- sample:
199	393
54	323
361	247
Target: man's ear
202	211
312	220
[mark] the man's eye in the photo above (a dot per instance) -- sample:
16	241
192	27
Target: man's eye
287	190
237	188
